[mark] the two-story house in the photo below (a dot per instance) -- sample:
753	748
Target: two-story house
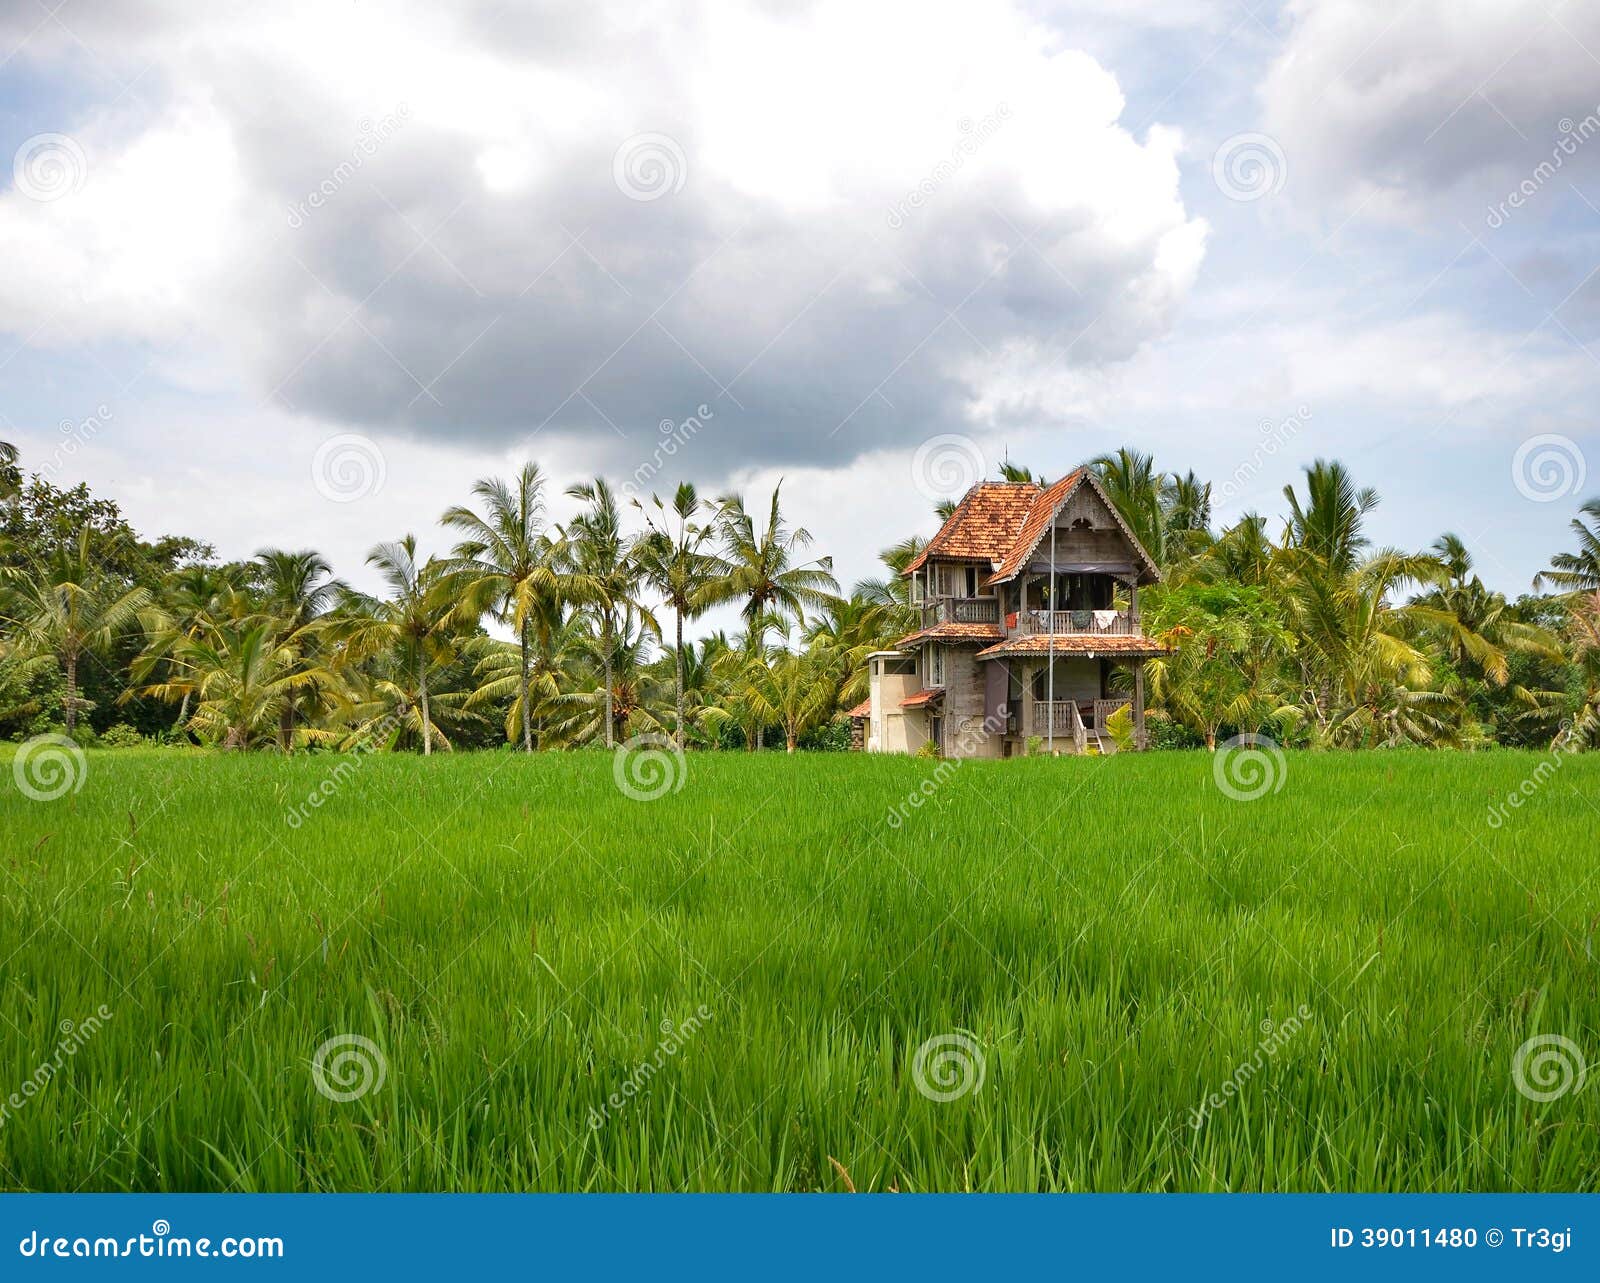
1030	603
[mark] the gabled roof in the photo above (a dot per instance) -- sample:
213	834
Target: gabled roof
923	698
953	633
1042	513
1003	524
863	709
984	524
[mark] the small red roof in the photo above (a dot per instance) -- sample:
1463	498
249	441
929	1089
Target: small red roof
953	632
922	698
1076	644
863	709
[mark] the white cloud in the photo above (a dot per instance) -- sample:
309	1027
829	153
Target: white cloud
877	204
1403	109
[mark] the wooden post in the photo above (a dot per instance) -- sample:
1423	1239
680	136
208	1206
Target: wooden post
1139	741
1026	720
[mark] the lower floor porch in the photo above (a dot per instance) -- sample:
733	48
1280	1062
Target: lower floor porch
1068	705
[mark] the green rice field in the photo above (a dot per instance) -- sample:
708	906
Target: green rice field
819	972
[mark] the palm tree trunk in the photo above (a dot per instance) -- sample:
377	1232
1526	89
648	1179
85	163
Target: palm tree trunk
678	620
183	712
527	715
70	663
605	644
286	724
422	689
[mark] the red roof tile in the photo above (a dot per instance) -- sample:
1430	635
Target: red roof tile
922	698
1041	512
863	709
1076	644
953	633
984	524
997	521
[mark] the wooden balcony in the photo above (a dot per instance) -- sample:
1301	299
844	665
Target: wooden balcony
960	610
1070	720
1089	623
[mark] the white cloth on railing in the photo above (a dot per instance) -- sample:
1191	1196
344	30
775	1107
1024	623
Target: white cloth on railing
1104	620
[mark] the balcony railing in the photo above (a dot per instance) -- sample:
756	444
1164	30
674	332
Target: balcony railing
1092	623
961	610
1069	717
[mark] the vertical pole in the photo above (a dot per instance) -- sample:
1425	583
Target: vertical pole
1138	705
1050	645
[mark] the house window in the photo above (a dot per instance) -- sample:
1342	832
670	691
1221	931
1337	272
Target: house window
935	665
972	581
937	732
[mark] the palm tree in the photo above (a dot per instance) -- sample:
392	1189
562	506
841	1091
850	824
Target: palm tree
70	608
415	620
1134	485
1016	474
10	476
1329	524
676	556
1186	512
852	628
600	556
795	690
1577	571
240	679
194	599
1476	626
299	589
763	565
504	565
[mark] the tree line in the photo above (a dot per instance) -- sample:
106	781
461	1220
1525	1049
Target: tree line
534	634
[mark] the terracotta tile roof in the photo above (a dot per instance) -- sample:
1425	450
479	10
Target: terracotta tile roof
1076	644
997	521
1040	513
953	632
923	698
863	709
984	524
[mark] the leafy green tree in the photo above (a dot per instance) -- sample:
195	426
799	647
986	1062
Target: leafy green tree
762	563
416	621
601	559
677	557
71	608
505	565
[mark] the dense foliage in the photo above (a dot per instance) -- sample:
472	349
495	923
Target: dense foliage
541	635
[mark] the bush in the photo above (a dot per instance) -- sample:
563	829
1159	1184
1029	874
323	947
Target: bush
121	736
1162	732
830	737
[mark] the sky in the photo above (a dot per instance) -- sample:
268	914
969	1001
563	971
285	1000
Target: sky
294	275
